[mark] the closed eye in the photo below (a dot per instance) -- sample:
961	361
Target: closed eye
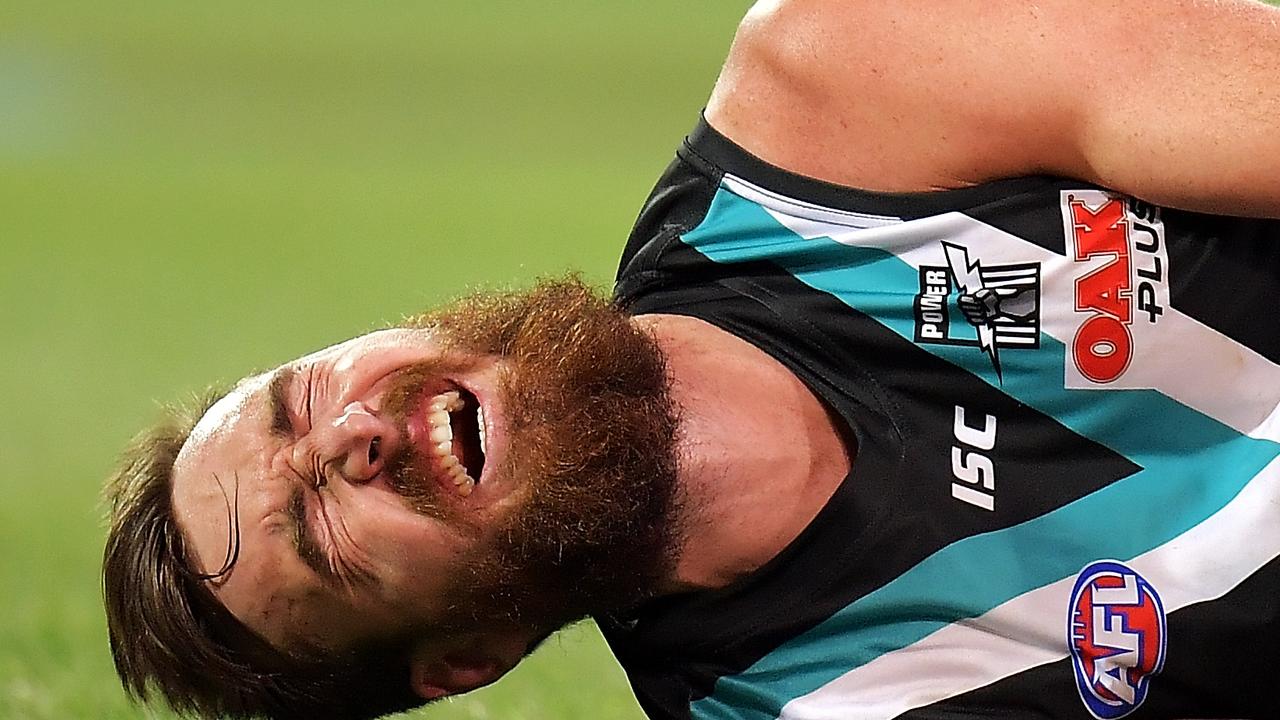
305	544
309	394
319	472
345	554
323	556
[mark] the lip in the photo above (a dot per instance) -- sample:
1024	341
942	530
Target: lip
494	435
417	429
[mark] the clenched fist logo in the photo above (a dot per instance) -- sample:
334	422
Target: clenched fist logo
986	304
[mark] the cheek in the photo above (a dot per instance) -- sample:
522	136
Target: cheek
407	550
374	355
309	615
292	612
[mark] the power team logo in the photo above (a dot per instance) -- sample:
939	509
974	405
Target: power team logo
990	307
1116	632
1121	286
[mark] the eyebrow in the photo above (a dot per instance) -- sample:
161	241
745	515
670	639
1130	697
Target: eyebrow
304	542
278	401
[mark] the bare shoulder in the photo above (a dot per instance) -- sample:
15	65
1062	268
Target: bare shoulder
882	96
919	94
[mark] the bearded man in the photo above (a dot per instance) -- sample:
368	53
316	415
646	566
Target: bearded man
903	406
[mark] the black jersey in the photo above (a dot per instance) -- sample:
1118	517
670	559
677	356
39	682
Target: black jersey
1064	500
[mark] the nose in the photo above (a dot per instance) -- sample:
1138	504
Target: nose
358	441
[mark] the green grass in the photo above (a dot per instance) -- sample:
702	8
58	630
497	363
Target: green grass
191	191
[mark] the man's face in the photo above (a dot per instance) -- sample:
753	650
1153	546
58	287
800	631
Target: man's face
511	466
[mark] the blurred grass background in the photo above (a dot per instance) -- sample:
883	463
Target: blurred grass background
192	191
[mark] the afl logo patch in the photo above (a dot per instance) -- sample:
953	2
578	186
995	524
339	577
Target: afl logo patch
1116	632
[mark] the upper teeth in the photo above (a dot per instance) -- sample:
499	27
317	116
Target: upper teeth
441	434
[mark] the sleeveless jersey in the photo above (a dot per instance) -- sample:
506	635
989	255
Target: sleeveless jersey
1064	499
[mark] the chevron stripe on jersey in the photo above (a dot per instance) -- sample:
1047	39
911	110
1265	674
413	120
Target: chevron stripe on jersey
1198	440
1165	364
1211	635
880	523
1188	570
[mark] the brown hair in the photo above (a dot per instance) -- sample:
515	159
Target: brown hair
170	636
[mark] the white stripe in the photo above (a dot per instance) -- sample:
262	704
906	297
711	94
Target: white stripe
1005	340
1030	630
1187	361
802	209
1007	282
1008	272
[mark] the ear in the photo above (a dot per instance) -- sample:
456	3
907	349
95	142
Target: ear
434	675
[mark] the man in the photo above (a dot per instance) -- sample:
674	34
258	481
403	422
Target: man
970	440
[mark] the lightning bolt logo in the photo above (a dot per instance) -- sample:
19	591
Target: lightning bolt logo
969	281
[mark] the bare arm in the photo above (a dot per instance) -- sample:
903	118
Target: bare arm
1174	101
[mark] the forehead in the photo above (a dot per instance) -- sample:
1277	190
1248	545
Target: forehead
216	469
228	412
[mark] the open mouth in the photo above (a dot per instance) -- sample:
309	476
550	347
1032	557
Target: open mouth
456	434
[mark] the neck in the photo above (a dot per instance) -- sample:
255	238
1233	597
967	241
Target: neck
759	454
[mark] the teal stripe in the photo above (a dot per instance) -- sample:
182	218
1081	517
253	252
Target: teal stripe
1177	448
